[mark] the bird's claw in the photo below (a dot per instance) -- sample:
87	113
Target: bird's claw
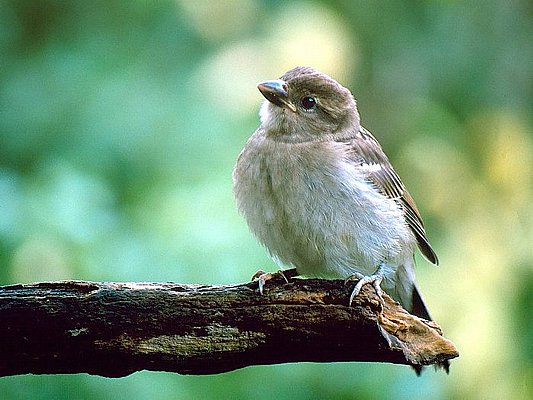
354	276
262	277
374	279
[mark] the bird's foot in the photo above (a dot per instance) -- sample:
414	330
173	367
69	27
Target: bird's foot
262	277
374	279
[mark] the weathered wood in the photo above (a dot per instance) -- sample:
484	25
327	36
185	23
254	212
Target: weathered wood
114	329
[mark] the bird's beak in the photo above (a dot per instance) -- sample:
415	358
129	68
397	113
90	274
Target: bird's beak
276	92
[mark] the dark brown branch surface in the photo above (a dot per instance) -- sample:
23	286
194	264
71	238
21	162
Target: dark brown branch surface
114	329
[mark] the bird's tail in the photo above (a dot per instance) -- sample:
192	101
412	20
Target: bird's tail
418	306
407	294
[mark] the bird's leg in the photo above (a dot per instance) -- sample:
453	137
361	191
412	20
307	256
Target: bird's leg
375	279
263	276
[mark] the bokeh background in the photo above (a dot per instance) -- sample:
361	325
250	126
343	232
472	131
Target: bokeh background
120	122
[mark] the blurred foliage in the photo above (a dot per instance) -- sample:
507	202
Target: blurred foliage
120	123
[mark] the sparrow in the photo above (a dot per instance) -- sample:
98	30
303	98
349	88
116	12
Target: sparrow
317	190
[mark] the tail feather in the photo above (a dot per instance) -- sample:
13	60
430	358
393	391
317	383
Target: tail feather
418	306
420	309
407	294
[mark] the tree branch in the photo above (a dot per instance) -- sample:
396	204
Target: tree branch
114	329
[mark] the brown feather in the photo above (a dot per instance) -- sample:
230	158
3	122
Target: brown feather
365	149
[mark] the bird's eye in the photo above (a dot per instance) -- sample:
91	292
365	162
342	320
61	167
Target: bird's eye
308	102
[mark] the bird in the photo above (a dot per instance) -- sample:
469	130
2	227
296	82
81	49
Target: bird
318	191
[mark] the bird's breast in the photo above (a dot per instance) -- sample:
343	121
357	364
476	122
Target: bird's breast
312	208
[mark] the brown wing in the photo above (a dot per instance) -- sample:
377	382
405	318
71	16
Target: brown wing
365	150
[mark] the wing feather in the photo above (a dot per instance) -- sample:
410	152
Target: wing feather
366	151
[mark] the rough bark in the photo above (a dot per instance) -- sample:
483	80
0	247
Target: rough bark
114	329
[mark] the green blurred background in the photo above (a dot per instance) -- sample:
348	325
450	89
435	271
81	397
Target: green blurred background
120	122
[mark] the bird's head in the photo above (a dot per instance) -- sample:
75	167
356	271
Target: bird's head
307	105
